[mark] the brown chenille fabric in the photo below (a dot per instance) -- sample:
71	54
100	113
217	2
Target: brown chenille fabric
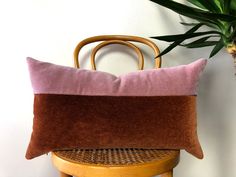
74	121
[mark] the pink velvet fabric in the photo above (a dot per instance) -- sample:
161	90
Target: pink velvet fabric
54	79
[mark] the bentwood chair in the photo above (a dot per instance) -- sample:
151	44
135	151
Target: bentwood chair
117	162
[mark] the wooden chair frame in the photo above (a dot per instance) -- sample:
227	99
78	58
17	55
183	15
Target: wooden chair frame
163	167
116	39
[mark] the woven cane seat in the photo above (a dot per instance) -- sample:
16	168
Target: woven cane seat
115	162
115	157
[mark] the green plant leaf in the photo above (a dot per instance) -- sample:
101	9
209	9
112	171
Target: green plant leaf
203	44
194	12
201	40
196	3
233	12
169	48
209	5
220	4
233	8
232	36
188	24
198	42
176	43
217	48
226	7
171	38
233	5
215	26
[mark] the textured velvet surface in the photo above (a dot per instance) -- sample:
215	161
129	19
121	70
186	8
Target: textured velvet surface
55	79
78	108
75	121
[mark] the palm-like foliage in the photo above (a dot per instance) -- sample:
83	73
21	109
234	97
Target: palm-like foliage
219	15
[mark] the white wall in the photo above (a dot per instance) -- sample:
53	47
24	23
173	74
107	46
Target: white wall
50	29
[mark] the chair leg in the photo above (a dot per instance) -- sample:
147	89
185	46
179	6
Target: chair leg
168	174
64	175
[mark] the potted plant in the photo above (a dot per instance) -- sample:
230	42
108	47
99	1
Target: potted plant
218	15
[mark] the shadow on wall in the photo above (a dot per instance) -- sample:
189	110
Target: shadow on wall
217	114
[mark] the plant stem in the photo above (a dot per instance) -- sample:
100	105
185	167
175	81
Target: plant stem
234	58
231	49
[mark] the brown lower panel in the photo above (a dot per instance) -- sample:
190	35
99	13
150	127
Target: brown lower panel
73	121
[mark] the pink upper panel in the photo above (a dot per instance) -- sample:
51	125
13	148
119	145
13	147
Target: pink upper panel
55	79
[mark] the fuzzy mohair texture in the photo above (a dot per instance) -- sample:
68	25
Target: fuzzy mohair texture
68	116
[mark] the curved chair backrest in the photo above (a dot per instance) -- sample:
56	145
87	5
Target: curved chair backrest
117	39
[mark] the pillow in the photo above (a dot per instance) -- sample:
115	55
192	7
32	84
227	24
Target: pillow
79	108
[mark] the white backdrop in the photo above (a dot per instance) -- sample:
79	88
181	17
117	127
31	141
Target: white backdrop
50	29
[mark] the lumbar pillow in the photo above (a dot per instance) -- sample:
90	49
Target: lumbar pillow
79	108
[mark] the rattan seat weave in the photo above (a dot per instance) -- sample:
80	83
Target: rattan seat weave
118	156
